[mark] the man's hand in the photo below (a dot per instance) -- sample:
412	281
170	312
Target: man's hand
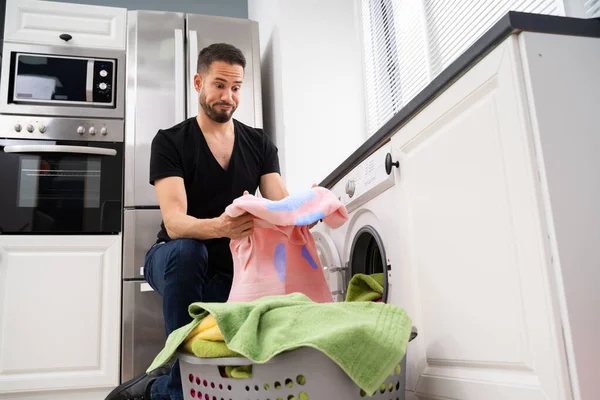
235	228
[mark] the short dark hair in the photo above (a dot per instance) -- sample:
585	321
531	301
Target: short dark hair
220	52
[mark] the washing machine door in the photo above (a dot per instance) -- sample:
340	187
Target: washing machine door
332	265
367	256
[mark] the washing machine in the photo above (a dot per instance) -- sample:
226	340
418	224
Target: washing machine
367	242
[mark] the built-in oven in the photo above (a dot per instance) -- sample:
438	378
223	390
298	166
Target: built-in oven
61	175
57	81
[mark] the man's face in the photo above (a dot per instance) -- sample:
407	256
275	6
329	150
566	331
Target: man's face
220	90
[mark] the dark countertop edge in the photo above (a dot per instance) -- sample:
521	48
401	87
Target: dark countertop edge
511	22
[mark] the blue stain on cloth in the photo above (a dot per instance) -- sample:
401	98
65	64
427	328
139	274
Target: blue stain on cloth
292	202
309	218
309	258
280	261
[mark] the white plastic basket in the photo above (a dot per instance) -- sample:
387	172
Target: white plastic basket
302	374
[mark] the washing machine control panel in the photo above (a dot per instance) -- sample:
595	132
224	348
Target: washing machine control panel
367	180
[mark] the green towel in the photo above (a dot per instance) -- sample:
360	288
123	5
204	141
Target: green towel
210	349
365	287
366	339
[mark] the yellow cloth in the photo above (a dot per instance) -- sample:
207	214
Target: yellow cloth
207	329
241	372
209	349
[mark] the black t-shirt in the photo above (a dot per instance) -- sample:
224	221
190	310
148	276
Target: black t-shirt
183	151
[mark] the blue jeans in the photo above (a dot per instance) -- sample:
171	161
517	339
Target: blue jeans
179	271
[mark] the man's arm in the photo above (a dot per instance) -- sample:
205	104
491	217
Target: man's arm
272	187
173	206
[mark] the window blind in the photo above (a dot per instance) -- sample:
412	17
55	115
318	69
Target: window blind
592	8
407	43
395	57
454	25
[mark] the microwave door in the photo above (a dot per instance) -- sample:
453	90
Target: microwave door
63	80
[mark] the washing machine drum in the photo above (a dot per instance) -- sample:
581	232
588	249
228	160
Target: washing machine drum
367	256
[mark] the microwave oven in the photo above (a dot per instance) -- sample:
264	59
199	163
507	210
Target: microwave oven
46	80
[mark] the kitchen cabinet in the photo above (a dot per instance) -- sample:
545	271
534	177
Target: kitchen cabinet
498	194
60	302
43	22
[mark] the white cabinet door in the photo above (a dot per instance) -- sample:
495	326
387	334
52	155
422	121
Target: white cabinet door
43	22
60	308
470	232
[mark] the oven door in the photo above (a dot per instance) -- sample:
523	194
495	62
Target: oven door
60	187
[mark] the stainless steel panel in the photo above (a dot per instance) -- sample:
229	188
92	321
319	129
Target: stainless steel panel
242	33
258	112
139	234
153	94
63	110
143	332
54	128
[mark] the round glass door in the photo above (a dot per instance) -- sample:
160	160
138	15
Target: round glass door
367	256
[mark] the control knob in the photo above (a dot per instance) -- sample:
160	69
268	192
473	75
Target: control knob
103	131
350	188
389	163
42	128
81	130
30	128
18	127
103	73
102	86
92	130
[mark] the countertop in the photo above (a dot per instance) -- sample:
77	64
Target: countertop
512	22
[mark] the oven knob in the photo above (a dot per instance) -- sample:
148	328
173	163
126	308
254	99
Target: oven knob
103	131
29	128
81	130
102	86
92	131
18	127
42	128
103	73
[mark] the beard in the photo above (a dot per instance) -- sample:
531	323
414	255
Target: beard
214	114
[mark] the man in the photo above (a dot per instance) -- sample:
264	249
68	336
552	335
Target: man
198	168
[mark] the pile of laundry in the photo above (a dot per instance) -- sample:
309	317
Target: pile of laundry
366	339
280	301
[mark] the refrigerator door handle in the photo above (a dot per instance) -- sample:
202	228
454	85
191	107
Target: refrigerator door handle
179	77
193	54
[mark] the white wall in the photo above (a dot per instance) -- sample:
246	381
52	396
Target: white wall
312	80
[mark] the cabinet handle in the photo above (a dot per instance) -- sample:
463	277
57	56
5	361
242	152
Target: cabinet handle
66	37
389	164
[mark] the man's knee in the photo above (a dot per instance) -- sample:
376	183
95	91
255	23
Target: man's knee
189	254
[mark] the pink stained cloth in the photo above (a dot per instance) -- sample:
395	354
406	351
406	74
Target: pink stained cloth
280	257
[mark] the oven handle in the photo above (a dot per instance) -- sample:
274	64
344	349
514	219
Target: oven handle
44	148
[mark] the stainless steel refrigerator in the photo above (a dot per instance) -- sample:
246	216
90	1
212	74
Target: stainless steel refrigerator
162	51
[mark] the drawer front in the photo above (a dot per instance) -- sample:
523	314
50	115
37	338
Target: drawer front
43	22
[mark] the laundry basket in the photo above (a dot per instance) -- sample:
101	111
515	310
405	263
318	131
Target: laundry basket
302	374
